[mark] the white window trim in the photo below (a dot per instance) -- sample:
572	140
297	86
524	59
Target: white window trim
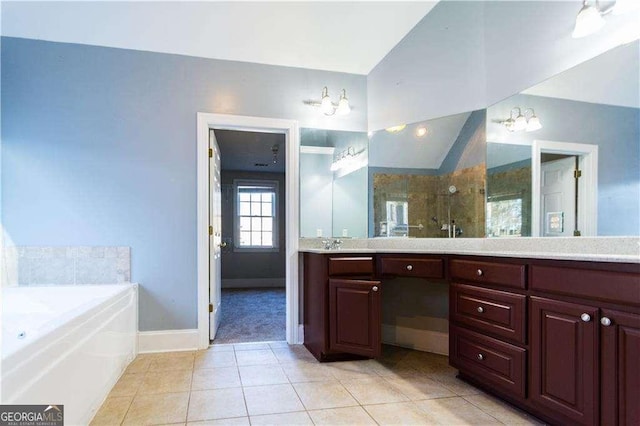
236	223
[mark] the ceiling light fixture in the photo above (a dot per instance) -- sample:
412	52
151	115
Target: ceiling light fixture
521	122
328	107
421	131
590	19
275	148
344	158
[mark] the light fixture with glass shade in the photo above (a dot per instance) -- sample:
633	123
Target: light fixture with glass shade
328	107
589	19
521	122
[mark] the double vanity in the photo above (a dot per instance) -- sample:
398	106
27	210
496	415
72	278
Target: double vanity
556	333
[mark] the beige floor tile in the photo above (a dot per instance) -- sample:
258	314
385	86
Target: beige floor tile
455	411
172	361
169	381
399	413
158	409
207	359
308	372
348	370
417	387
298	418
257	375
224	347
215	378
253	346
281	344
502	411
258	357
236	421
450	381
112	411
272	399
127	385
373	391
319	395
140	364
385	369
341	416
216	404
293	354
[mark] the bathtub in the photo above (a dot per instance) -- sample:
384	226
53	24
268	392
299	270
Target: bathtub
66	344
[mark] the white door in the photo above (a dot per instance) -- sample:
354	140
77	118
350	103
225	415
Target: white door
215	236
558	197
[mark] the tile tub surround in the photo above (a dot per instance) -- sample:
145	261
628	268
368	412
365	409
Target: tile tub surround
30	265
597	249
240	384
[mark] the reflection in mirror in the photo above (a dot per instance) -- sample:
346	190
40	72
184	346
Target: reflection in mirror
590	111
428	178
333	183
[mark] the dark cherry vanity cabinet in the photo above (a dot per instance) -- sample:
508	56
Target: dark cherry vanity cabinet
560	339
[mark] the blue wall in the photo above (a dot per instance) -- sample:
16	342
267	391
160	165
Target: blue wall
99	148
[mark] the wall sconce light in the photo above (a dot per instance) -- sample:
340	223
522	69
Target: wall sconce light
344	159
328	107
521	122
590	19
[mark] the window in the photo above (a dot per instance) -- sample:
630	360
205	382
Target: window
504	217
256	214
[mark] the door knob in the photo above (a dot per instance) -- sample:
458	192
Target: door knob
585	317
409	267
605	321
223	244
374	288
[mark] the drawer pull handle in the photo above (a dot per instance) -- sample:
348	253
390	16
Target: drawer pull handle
585	317
479	272
374	288
480	357
605	321
409	267
480	309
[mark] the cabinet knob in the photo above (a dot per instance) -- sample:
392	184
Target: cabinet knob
480	357
585	317
409	267
374	288
605	321
479	272
480	309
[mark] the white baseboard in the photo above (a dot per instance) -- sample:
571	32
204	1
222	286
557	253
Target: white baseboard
300	334
167	341
253	282
422	340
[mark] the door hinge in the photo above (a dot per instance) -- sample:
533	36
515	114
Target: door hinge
210	307
211	230
210	153
577	174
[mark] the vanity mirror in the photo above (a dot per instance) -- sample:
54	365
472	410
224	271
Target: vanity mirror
333	183
586	119
428	178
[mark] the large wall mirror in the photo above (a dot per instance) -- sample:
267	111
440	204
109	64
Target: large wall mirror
333	183
571	164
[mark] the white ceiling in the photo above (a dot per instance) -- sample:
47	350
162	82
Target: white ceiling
349	37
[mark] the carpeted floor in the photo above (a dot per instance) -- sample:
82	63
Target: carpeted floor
252	315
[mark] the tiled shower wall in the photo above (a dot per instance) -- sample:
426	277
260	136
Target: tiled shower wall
67	265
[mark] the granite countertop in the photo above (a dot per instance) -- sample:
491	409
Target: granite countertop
595	249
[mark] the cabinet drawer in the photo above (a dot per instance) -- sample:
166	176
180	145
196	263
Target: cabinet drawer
488	359
505	274
351	265
609	286
412	267
496	312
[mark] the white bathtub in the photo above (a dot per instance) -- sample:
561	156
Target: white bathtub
66	344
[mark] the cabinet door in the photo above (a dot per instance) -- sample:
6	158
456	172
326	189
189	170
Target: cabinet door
564	360
620	372
354	317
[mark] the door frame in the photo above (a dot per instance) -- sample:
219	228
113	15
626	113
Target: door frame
290	129
587	194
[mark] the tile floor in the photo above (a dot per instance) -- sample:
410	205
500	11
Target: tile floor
278	384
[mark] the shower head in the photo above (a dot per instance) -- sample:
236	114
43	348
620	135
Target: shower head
452	189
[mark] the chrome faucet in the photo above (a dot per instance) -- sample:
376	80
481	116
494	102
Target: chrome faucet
332	244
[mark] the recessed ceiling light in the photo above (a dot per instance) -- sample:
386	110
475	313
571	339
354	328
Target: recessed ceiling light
421	131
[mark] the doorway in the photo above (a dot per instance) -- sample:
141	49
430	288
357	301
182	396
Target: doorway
288	128
564	204
252	237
